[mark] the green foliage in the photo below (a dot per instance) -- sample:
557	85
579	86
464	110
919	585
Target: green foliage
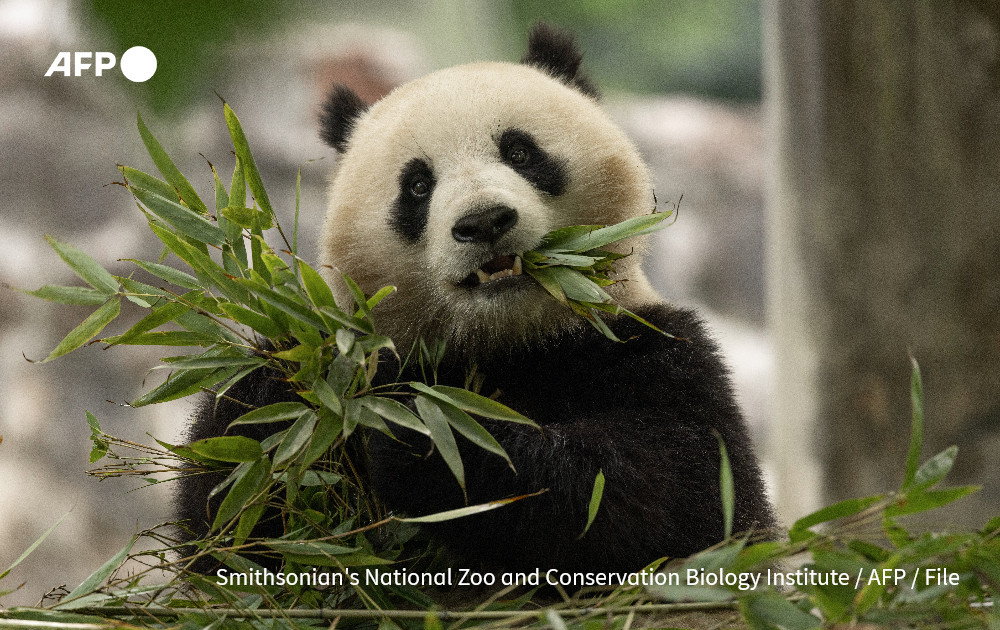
595	501
573	266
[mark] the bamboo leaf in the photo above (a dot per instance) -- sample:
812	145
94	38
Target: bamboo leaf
395	412
316	288
380	295
546	276
171	275
568	260
591	316
557	239
238	187
475	404
160	315
328	429
184	383
242	216
193	362
221	196
262	324
141	294
254	480
228	448
100	447
924	500
310	548
203	265
275	412
577	287
244	528
285	304
296	438
204	325
250	171
595	502
84	266
726	486
342	318
440	431
95	579
630	228
469	510
87	330
768	609
73	296
165	338
183	219
841	509
357	414
327	396
346	560
299	354
169	171
238	198
916	424
472	430
134	177
935	469
220	392
33	546
363	311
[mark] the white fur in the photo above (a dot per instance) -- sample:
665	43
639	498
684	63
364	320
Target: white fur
451	119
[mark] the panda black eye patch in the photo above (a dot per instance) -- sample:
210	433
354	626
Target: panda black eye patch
519	151
408	217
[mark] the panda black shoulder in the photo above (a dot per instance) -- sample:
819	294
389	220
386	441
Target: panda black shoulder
646	368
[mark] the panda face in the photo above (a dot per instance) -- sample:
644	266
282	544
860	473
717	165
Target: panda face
443	184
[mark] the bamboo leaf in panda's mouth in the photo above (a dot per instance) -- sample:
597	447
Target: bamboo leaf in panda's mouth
572	266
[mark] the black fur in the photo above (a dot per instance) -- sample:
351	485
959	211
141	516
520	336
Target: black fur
555	53
643	412
341	110
544	172
408	216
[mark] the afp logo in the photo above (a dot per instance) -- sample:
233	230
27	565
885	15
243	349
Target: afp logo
138	64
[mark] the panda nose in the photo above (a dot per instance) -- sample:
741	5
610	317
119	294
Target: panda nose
484	226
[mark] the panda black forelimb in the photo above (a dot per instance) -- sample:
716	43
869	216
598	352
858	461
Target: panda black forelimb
642	412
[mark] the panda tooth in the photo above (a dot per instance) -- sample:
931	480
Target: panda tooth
516	270
482	275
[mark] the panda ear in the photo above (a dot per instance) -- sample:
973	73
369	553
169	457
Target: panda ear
555	53
341	110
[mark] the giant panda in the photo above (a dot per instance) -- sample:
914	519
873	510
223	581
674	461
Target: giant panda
438	189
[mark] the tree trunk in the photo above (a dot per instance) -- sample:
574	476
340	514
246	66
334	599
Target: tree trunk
884	242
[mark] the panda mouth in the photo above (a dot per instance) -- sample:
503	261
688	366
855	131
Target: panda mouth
499	267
